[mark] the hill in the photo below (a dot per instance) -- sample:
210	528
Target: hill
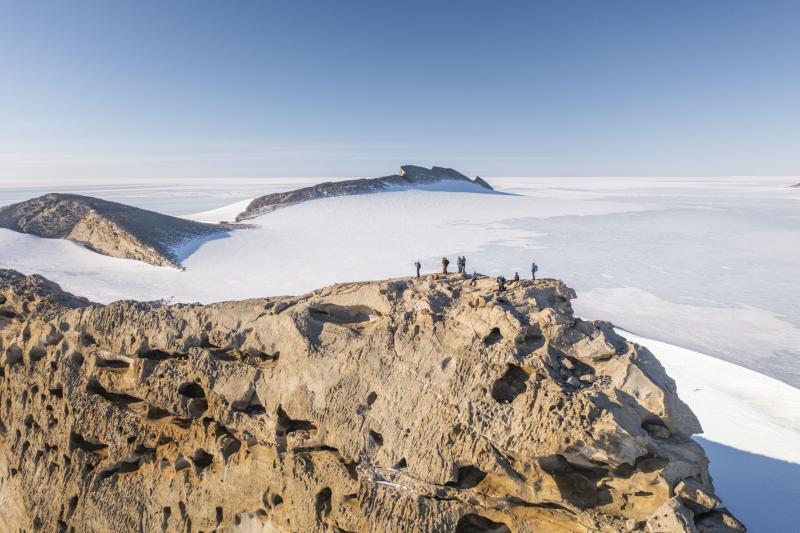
408	176
109	228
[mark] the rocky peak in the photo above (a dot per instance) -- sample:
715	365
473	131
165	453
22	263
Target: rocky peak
397	405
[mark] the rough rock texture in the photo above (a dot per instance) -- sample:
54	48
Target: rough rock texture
408	175
108	228
400	405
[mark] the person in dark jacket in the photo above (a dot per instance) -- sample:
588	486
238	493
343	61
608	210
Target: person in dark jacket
464	264
516	276
445	262
417	265
501	283
474	280
534	268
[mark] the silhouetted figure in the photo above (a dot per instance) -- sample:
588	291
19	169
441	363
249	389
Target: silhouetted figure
464	264
501	283
417	265
534	268
516	276
474	280
445	262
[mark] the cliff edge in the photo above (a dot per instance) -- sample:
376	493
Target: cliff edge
398	405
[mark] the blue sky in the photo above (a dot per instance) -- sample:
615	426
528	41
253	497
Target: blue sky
158	89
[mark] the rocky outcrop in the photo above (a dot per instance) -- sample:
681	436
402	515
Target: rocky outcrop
408	176
795	186
106	227
399	405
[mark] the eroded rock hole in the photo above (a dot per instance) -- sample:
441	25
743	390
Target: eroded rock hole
117	398
95	447
229	446
76	359
156	413
376	437
340	314
252	407
580	486
323	505
112	364
191	390
288	425
510	385
371	397
86	340
36	353
159	355
72	504
493	337
165	520
202	459
467	477
473	523
14	355
181	463
197	398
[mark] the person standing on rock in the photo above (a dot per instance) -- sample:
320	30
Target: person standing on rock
464	264
501	283
417	265
534	268
516	276
445	262
474	280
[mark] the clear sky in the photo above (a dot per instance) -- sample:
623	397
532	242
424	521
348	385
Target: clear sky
155	89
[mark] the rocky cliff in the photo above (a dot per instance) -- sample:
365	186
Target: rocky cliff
408	176
400	405
108	228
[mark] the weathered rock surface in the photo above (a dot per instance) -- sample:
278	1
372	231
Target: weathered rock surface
399	405
108	228
409	175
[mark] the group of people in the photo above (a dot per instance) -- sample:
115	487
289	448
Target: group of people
461	262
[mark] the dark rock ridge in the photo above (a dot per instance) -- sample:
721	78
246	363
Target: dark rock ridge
393	406
108	228
795	186
408	176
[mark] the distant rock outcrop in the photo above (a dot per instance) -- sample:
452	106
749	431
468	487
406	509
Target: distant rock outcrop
408	176
108	228
795	186
400	405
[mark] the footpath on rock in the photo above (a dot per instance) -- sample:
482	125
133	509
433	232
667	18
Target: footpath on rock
398	405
